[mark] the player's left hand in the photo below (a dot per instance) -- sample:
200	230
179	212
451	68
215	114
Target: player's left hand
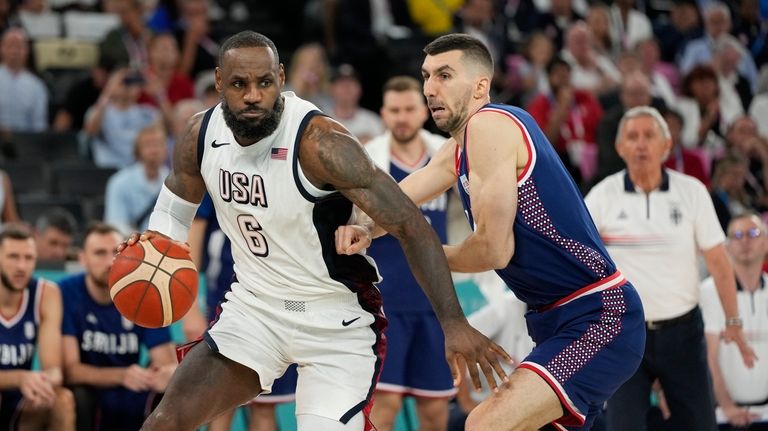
352	239
467	347
736	334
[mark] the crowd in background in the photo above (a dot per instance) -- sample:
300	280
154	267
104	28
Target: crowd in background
94	93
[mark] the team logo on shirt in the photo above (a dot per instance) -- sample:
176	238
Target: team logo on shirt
675	215
91	318
623	215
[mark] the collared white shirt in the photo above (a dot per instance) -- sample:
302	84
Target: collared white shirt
654	238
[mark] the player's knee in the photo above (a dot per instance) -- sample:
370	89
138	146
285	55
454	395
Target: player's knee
64	404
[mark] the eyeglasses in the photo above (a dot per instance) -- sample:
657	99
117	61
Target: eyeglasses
749	233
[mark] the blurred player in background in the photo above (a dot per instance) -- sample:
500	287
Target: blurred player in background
29	400
415	364
101	347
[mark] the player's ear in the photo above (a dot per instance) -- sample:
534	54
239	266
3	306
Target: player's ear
281	74
217	79
482	87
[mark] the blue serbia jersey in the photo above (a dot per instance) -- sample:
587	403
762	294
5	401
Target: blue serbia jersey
399	288
557	247
18	337
107	339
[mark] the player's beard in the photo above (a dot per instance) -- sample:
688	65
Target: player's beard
402	138
101	281
253	130
8	284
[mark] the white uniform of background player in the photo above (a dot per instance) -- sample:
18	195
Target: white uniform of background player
293	295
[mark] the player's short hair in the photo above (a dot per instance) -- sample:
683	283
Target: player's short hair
99	228
402	83
645	111
474	51
247	39
57	218
17	231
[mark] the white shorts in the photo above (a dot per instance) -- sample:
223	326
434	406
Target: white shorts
337	344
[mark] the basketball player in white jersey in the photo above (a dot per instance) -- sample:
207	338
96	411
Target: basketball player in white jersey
283	177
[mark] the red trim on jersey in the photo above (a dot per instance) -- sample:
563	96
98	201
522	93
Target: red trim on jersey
11	320
571	417
456	160
611	282
523	131
419	163
41	288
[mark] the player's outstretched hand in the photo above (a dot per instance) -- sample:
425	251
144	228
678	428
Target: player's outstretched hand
146	236
352	239
466	347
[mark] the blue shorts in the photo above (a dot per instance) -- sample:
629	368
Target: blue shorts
10	409
586	349
415	363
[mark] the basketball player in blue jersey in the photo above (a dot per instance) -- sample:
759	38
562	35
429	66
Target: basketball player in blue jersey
212	253
283	177
30	323
530	224
415	364
102	348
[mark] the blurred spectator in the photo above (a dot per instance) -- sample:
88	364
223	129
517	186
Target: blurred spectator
8	212
116	118
102	348
717	22
726	56
126	45
590	71
568	117
736	387
24	101
205	89
83	94
599	23
526	74
749	28
664	77
628	25
742	138
728	194
346	93
682	159
635	91
182	112
682	26
654	223
54	233
132	191
7	14
308	75
557	21
476	18
707	109
197	39
163	85
31	399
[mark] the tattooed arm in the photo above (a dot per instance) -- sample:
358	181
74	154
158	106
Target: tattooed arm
329	155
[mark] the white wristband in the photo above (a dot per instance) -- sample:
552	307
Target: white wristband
172	215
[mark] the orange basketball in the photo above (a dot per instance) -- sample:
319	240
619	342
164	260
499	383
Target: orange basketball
153	283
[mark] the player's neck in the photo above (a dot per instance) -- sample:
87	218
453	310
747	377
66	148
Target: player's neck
9	300
411	152
458	133
97	293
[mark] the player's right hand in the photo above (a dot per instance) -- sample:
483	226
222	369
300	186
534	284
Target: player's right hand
136	378
352	239
466	347
146	236
37	388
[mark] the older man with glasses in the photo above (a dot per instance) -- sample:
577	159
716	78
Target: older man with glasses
741	393
654	222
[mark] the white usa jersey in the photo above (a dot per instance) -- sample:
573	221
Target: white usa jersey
281	226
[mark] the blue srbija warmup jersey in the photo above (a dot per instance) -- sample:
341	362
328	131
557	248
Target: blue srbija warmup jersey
281	226
398	286
552	259
18	339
